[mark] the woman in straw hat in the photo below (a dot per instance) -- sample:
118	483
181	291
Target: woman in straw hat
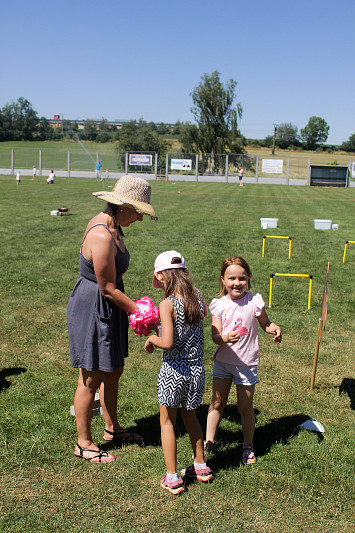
97	313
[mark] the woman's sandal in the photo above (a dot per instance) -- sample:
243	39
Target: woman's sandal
123	437
100	456
248	455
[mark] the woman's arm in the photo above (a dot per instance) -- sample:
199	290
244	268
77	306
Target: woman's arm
166	340
217	336
269	327
103	257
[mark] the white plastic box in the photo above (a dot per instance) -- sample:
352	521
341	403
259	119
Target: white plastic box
322	223
271	222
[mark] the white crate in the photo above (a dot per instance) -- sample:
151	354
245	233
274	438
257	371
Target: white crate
322	223
271	222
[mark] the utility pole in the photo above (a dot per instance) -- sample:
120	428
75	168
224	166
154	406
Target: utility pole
63	115
273	145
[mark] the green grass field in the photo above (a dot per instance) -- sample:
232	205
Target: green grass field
300	482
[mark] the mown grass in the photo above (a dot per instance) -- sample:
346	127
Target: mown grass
300	482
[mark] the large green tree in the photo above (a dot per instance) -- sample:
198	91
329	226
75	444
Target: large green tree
315	132
19	121
349	146
286	135
216	115
139	136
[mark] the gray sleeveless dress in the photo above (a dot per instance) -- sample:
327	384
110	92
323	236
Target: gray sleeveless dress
98	329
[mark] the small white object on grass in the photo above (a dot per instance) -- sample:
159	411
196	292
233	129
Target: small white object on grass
97	409
312	425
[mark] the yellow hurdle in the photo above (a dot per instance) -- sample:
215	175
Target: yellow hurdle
277	237
345	248
292	276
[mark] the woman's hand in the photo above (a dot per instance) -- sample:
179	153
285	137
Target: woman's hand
149	346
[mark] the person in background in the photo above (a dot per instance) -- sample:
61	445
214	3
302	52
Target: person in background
240	175
98	170
51	176
34	172
18	177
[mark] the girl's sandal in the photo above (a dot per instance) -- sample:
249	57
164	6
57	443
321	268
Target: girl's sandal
99	456
209	447
248	455
123	437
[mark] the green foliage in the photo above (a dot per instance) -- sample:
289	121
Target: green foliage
18	121
140	136
286	135
299	483
349	146
315	132
216	118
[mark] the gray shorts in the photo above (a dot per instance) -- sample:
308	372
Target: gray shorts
178	386
241	375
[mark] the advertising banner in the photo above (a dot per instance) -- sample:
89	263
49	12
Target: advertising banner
141	159
272	166
181	164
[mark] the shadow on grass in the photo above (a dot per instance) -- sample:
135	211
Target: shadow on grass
229	443
6	372
348	386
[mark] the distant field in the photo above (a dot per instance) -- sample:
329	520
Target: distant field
82	156
322	158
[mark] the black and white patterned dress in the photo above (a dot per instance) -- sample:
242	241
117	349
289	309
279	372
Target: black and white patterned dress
182	375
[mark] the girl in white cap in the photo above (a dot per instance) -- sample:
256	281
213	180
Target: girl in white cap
182	376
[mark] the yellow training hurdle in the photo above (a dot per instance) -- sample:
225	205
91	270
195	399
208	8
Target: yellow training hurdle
292	276
345	248
277	237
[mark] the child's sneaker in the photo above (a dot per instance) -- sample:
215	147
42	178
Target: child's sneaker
202	474
174	487
248	455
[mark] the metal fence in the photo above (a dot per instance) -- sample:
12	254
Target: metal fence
175	166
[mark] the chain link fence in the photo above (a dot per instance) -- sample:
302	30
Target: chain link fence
173	166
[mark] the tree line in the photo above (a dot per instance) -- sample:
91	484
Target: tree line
215	131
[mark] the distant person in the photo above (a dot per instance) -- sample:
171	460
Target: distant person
235	318
181	378
50	178
240	175
98	170
107	174
34	172
18	177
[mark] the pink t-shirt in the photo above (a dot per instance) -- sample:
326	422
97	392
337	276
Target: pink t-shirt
239	315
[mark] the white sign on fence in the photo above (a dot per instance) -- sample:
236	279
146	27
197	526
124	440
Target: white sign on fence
140	159
181	164
272	166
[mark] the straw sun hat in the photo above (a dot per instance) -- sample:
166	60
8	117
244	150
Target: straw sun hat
132	191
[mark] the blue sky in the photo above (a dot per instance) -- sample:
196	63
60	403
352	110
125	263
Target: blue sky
137	58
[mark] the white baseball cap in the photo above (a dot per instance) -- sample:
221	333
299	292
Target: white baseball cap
167	260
